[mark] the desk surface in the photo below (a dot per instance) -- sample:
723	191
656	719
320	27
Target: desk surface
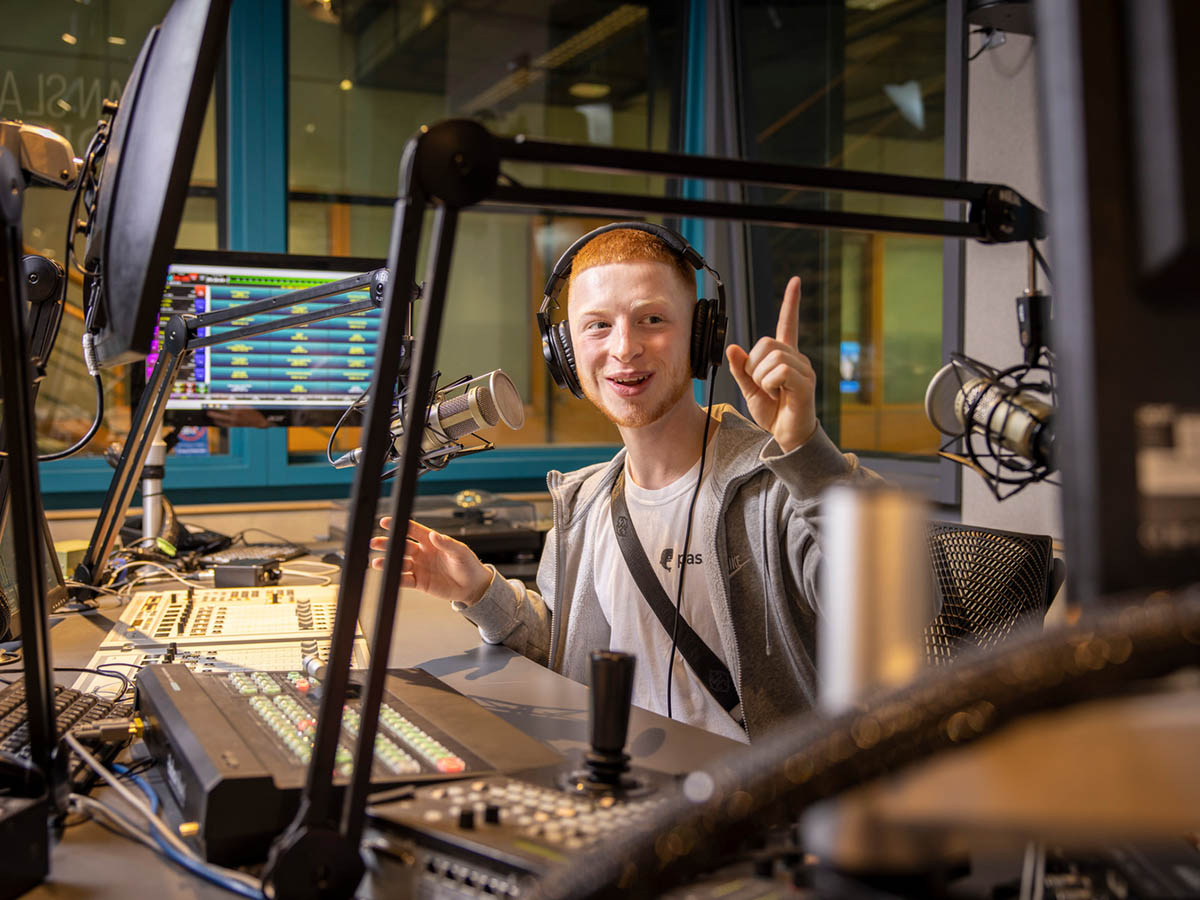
1144	751
91	862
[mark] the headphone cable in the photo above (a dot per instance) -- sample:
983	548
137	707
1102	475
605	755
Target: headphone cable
687	536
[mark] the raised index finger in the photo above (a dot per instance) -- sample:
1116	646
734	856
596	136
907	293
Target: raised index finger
788	329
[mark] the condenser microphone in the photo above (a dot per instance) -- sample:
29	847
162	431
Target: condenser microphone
485	401
960	399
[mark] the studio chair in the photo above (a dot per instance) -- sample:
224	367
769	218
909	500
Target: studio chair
991	583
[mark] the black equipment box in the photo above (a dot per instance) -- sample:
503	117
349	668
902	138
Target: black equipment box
235	747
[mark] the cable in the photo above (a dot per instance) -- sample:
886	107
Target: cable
1033	871
241	885
113	819
338	426
12	666
143	765
1041	260
241	535
324	566
95	601
687	537
171	573
987	44
126	684
161	835
322	580
142	784
95	149
137	667
91	432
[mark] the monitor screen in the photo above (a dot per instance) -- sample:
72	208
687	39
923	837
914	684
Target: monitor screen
144	180
322	366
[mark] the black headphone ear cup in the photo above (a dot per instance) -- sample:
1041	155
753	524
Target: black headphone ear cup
566	355
697	354
708	338
718	323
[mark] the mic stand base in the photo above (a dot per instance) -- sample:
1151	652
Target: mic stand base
312	863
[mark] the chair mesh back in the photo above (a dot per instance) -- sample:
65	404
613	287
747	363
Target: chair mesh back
992	582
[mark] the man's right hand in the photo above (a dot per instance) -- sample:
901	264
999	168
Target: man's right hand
437	565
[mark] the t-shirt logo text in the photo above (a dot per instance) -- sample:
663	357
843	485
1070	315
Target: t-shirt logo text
690	559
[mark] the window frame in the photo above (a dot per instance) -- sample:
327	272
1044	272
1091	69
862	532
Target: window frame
252	121
937	479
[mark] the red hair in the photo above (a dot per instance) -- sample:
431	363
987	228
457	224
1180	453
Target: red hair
630	245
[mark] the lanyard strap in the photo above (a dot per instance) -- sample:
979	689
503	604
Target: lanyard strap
698	655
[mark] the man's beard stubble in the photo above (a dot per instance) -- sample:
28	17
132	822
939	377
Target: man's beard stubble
638	416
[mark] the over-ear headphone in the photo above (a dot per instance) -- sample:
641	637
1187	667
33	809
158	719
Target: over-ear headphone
708	319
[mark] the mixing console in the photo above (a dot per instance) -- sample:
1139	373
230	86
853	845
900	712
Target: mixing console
221	630
222	615
236	746
279	702
243	656
485	836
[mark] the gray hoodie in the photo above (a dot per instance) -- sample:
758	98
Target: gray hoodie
762	526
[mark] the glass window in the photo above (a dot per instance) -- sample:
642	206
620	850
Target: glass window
859	85
362	83
56	69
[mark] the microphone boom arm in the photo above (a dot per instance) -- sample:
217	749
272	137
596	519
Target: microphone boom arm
454	165
180	335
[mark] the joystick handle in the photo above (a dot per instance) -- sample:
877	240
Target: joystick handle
612	692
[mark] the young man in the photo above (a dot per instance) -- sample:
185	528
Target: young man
754	550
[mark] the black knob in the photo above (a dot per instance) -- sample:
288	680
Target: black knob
466	818
612	691
491	814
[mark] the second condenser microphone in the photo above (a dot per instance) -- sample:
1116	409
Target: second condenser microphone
485	401
960	400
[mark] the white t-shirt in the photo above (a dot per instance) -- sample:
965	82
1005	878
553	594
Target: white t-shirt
660	520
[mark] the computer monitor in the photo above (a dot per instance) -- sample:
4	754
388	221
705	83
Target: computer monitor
143	184
302	376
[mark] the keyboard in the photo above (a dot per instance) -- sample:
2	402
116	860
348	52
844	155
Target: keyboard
249	554
72	708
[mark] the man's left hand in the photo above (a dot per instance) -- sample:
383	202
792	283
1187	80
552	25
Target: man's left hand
777	380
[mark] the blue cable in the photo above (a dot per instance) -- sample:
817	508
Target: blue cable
203	871
142	784
194	866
